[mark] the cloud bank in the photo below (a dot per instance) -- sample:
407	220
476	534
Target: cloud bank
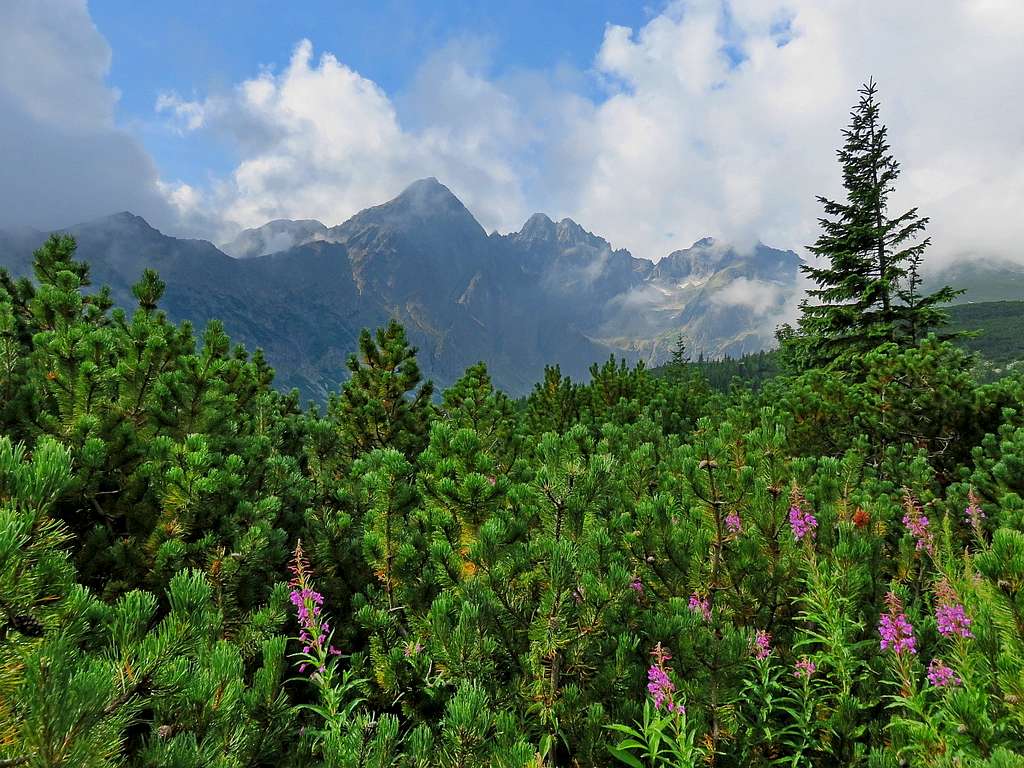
321	141
64	160
714	118
717	117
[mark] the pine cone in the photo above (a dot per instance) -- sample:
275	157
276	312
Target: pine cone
27	625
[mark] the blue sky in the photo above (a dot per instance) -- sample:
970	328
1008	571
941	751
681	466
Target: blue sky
651	124
196	47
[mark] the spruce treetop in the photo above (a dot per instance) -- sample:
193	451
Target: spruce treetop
867	277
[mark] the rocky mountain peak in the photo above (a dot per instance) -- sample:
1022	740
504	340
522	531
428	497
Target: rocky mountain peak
428	197
426	210
551	292
538	227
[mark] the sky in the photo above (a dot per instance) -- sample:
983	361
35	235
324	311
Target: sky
652	124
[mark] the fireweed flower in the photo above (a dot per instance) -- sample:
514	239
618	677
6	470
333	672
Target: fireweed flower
733	523
974	513
804	668
942	676
659	685
700	605
762	644
314	629
917	524
801	521
949	612
896	631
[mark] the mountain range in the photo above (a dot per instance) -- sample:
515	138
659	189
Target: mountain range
550	293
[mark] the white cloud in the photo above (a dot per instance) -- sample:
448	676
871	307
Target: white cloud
717	118
691	143
759	296
190	114
184	198
319	140
64	159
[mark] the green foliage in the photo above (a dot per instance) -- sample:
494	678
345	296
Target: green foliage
374	409
750	370
994	330
867	292
826	568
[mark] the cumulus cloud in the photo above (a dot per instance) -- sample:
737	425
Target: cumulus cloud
64	160
717	117
319	140
723	118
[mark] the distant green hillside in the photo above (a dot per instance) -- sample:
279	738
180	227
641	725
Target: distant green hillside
1000	328
982	281
999	339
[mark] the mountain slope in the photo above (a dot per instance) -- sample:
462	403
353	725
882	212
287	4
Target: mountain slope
549	293
275	236
723	300
998	327
982	280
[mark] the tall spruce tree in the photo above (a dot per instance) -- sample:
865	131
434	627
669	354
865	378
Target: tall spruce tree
868	281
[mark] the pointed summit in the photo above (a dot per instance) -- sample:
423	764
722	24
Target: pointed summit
538	227
428	197
570	231
121	220
425	209
429	183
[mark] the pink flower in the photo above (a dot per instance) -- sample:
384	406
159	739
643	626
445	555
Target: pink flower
637	586
762	644
659	685
733	523
801	521
974	513
411	649
314	630
896	631
804	668
917	524
700	605
942	676
949	613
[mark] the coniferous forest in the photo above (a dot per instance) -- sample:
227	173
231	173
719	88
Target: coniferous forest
823	569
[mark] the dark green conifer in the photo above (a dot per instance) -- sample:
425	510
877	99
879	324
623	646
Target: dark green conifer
553	406
680	354
383	405
867	282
